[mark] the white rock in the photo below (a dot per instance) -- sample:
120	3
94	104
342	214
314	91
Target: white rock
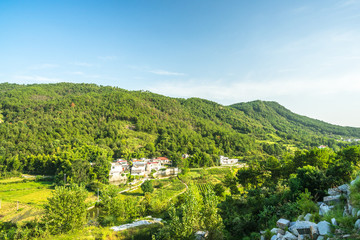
308	216
274	237
333	191
302	227
289	236
332	199
323	209
334	222
324	228
283	223
274	230
357	224
344	188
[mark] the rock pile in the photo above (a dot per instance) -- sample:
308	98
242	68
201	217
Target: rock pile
287	230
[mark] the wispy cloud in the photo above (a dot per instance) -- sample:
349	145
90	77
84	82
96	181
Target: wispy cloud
166	73
82	64
76	73
227	93
107	58
346	3
36	78
43	66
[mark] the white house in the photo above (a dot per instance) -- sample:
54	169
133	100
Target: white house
115	171
138	168
162	160
153	165
228	161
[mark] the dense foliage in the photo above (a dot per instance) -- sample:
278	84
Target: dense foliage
57	129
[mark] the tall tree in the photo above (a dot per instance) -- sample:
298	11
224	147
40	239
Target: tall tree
66	209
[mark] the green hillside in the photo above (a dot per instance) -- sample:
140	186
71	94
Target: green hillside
276	118
83	121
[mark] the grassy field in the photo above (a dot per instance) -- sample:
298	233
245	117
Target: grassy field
23	200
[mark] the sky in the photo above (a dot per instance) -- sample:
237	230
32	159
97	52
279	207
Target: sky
303	54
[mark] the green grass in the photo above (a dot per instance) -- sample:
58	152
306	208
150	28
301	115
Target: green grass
31	196
11	180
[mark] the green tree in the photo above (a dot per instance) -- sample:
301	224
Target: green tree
211	219
185	220
147	187
66	209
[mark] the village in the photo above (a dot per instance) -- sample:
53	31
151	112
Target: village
157	167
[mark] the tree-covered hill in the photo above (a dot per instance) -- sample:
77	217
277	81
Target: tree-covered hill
287	124
47	123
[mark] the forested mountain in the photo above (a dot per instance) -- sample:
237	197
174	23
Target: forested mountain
272	114
43	125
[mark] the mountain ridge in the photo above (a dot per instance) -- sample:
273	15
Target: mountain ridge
46	118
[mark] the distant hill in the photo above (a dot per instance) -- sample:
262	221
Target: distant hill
48	118
273	115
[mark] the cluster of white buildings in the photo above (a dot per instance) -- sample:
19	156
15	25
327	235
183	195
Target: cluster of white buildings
141	167
228	161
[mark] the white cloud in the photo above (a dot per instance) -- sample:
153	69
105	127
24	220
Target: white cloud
76	73
107	58
35	78
82	64
43	66
228	93
166	73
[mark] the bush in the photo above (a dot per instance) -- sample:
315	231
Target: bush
305	203
94	186
147	187
66	209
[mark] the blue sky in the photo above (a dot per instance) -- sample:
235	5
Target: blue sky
303	54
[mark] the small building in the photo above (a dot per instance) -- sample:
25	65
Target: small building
162	160
138	168
115	171
153	166
168	171
228	161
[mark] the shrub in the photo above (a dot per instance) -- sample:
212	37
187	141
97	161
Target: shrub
305	203
147	187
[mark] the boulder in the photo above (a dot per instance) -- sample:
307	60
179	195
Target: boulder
283	223
357	224
324	228
314	232
344	189
274	237
302	227
308	217
332	199
323	209
334	191
274	230
289	236
334	222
